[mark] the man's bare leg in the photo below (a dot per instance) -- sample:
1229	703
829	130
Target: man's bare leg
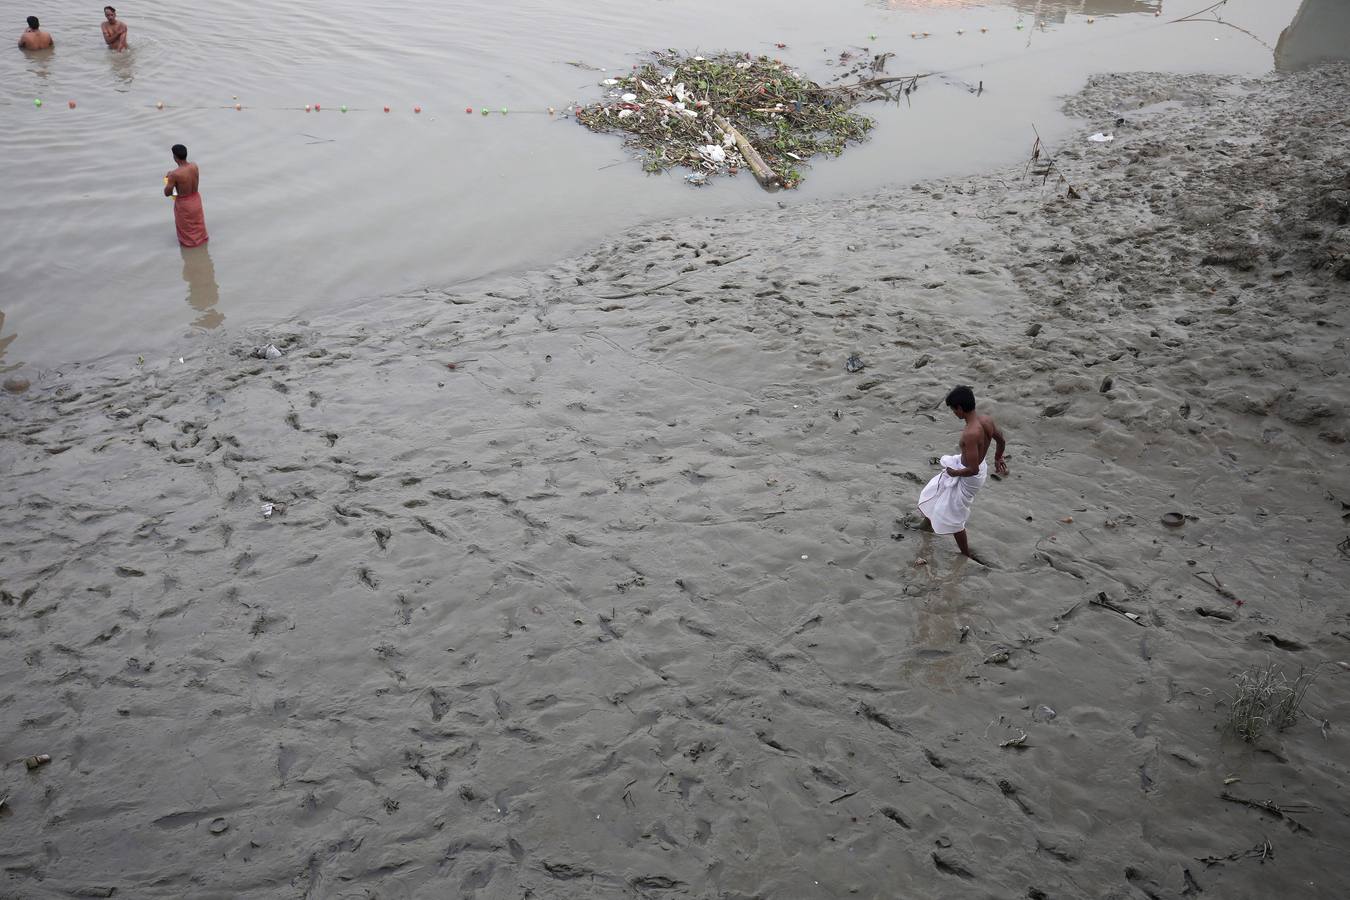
962	544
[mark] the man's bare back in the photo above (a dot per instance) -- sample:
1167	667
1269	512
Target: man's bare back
182	180
979	433
114	31
35	38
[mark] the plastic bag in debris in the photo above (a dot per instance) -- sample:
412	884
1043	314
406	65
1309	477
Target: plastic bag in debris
1100	138
268	351
713	153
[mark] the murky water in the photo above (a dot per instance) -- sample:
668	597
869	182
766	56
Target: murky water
311	212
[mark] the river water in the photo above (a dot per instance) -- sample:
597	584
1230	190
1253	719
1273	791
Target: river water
322	211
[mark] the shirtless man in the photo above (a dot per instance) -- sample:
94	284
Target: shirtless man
181	184
35	38
945	502
114	32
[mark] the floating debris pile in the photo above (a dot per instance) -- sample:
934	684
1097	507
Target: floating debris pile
719	114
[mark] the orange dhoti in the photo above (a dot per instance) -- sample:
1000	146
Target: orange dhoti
191	222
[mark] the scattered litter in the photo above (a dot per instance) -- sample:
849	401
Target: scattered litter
1173	519
965	634
1105	602
121	412
804	556
1100	138
854	364
697	179
1015	742
1067	520
998	657
267	510
268	351
713	153
1044	714
1231	779
219	826
40	759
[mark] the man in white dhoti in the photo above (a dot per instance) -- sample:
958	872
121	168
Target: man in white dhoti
945	501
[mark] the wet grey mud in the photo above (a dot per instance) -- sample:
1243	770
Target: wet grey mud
587	582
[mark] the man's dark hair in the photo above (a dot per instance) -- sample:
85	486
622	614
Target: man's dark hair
180	154
111	9
962	398
33	22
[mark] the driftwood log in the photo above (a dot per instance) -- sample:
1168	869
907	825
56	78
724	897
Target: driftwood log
763	174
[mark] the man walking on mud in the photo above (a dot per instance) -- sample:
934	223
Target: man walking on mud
945	501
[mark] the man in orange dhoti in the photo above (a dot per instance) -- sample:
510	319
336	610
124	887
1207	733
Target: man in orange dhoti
181	184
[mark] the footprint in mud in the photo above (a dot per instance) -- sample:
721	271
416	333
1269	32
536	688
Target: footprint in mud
947	867
893	814
293	420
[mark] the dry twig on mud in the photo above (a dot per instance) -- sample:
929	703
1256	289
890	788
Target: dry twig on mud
1274	810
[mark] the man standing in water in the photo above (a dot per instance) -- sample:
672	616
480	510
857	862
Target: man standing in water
114	32
945	501
35	38
187	204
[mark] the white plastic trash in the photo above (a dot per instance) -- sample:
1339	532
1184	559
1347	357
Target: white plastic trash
629	98
1100	138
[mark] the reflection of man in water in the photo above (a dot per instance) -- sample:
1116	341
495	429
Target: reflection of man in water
203	292
181	184
114	32
35	38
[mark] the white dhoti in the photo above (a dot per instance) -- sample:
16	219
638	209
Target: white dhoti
946	499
